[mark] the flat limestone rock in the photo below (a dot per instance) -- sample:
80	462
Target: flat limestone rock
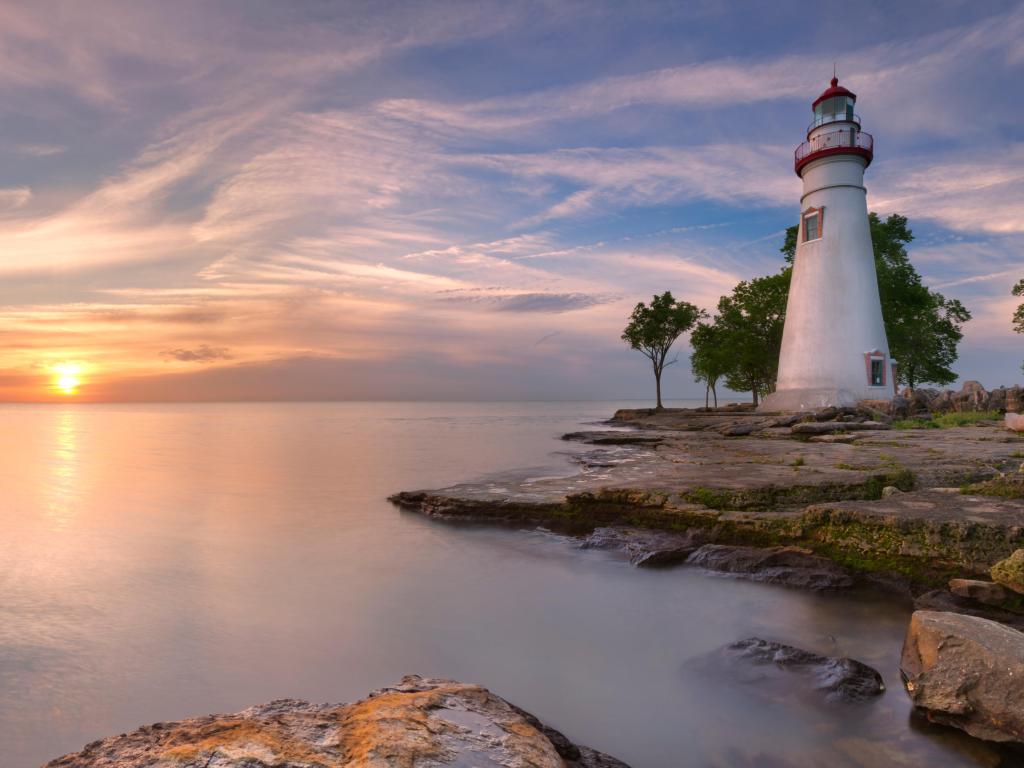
424	722
966	672
828	427
790	566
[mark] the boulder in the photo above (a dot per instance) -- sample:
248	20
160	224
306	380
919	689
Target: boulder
791	566
1014	421
997	399
1010	572
420	721
987	592
839	678
945	600
971	397
646	548
1015	399
966	672
942	402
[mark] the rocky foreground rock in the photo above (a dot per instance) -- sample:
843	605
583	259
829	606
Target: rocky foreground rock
421	722
966	672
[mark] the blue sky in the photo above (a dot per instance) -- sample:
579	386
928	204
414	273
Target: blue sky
463	200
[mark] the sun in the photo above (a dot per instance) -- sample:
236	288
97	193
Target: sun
67	378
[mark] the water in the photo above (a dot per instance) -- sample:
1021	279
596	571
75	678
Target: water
162	561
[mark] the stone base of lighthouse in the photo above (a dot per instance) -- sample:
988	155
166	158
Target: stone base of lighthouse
808	399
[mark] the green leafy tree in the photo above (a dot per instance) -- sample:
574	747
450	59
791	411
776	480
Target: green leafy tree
710	359
653	330
749	326
1018	315
923	326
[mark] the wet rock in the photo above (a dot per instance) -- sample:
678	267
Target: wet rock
424	722
646	548
966	672
1010	572
987	592
613	438
790	566
841	679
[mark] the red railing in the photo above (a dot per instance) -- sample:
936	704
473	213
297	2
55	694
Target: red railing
842	141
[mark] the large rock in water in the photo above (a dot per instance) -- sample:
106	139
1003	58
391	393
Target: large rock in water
791	566
420	722
645	547
966	672
839	678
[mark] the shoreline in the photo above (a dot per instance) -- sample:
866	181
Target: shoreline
880	502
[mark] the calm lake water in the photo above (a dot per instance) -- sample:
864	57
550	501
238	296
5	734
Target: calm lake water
162	561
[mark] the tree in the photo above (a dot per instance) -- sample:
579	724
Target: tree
1018	315
749	327
654	329
710	359
922	326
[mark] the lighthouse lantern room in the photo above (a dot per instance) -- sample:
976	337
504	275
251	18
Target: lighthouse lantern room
834	349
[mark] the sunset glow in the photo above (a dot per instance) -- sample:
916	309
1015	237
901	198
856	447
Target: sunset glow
437	213
67	378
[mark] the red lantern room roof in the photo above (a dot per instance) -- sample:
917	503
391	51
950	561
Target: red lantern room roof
835	90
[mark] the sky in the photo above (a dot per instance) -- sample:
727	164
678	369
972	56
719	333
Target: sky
463	200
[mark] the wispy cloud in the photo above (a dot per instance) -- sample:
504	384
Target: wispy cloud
348	186
204	353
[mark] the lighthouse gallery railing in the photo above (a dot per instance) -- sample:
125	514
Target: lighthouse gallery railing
834	142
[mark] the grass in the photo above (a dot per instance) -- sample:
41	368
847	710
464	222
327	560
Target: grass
948	420
1009	486
798	462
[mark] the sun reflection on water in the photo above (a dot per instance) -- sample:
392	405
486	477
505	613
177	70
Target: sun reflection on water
64	474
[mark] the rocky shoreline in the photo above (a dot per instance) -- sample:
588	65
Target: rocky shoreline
906	506
821	501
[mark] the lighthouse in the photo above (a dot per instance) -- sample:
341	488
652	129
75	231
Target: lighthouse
834	350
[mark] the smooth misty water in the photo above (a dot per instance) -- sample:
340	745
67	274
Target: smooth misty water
163	561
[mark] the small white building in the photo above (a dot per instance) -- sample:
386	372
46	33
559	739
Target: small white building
834	350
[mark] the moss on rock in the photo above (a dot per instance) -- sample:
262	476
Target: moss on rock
1010	572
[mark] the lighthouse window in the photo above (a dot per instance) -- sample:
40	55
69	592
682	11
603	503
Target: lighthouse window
877	372
812	225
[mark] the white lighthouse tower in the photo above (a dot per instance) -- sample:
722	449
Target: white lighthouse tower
834	350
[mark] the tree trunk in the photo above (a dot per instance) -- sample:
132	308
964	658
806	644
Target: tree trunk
754	391
714	391
707	390
657	387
